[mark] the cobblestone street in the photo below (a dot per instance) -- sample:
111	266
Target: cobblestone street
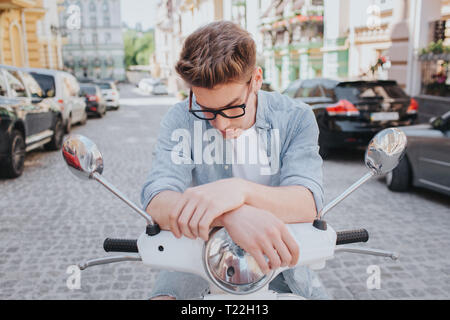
50	220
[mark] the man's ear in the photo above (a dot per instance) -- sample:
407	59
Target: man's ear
258	78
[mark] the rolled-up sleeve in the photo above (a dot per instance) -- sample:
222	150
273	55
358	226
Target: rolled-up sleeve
166	174
301	163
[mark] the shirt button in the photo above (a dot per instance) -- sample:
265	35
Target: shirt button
225	167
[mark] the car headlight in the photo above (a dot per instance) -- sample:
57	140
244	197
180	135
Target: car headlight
229	267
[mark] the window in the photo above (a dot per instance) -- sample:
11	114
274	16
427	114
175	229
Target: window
46	82
32	84
17	87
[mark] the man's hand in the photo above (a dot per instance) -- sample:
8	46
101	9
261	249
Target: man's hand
199	206
261	233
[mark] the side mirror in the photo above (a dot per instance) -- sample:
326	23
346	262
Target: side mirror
383	154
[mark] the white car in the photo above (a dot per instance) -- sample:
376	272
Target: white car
146	85
110	94
65	90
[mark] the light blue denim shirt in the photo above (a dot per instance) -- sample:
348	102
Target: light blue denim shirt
288	128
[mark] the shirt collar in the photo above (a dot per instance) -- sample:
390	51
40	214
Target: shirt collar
261	112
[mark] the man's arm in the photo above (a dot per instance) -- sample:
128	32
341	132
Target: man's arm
291	204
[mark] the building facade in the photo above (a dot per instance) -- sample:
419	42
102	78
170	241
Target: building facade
29	34
93	46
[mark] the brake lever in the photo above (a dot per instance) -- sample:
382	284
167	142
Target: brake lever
107	260
368	251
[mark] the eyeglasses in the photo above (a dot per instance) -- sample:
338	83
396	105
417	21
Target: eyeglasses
231	112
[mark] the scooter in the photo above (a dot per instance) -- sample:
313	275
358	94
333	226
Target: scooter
233	273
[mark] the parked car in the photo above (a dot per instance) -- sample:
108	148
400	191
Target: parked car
110	94
152	86
27	120
65	90
427	160
350	113
95	104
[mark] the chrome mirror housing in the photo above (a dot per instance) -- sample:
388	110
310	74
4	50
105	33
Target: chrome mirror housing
385	151
82	156
231	268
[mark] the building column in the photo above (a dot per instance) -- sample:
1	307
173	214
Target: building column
421	13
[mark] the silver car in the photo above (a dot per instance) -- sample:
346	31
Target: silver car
427	160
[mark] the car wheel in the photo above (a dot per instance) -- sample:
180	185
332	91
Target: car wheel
69	124
399	179
15	161
58	135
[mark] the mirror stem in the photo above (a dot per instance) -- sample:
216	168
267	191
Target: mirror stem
346	193
96	176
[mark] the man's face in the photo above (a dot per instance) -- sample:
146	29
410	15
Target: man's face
231	94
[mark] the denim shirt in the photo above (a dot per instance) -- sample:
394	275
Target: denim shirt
287	127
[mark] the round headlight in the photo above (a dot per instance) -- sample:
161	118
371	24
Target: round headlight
229	267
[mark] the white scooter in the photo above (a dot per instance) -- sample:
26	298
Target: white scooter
232	272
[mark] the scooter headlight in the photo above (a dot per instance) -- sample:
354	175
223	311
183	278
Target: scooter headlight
229	267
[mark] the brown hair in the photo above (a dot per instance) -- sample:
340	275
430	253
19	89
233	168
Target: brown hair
218	53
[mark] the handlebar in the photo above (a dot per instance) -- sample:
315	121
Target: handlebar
120	245
130	245
352	236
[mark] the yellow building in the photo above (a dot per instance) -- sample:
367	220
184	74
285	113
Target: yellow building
28	35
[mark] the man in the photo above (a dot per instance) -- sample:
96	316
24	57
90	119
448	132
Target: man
204	174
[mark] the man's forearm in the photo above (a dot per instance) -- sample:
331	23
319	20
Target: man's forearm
291	204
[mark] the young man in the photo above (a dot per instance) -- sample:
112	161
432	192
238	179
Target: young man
205	174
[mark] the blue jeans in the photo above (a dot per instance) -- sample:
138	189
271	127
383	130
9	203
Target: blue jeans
186	286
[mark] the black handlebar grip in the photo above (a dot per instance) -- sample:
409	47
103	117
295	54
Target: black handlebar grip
352	236
120	245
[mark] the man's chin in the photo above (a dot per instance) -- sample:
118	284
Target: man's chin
231	133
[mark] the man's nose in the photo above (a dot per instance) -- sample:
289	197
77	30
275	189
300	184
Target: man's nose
221	122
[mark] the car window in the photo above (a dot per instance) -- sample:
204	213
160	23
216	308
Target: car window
292	89
33	85
308	92
104	85
393	91
16	86
3	87
46	82
88	90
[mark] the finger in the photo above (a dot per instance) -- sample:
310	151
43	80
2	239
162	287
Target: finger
272	254
205	222
195	219
173	217
185	217
283	252
261	261
292	246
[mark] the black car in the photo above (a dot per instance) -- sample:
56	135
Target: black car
350	113
27	121
427	160
95	103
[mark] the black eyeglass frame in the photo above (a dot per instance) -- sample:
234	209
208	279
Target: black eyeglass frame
219	111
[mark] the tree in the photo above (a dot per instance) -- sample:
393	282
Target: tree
138	47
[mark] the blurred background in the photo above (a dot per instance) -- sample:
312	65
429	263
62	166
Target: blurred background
105	69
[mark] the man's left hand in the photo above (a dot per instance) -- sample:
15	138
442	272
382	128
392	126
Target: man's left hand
199	206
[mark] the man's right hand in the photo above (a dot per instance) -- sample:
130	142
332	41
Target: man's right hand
261	233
